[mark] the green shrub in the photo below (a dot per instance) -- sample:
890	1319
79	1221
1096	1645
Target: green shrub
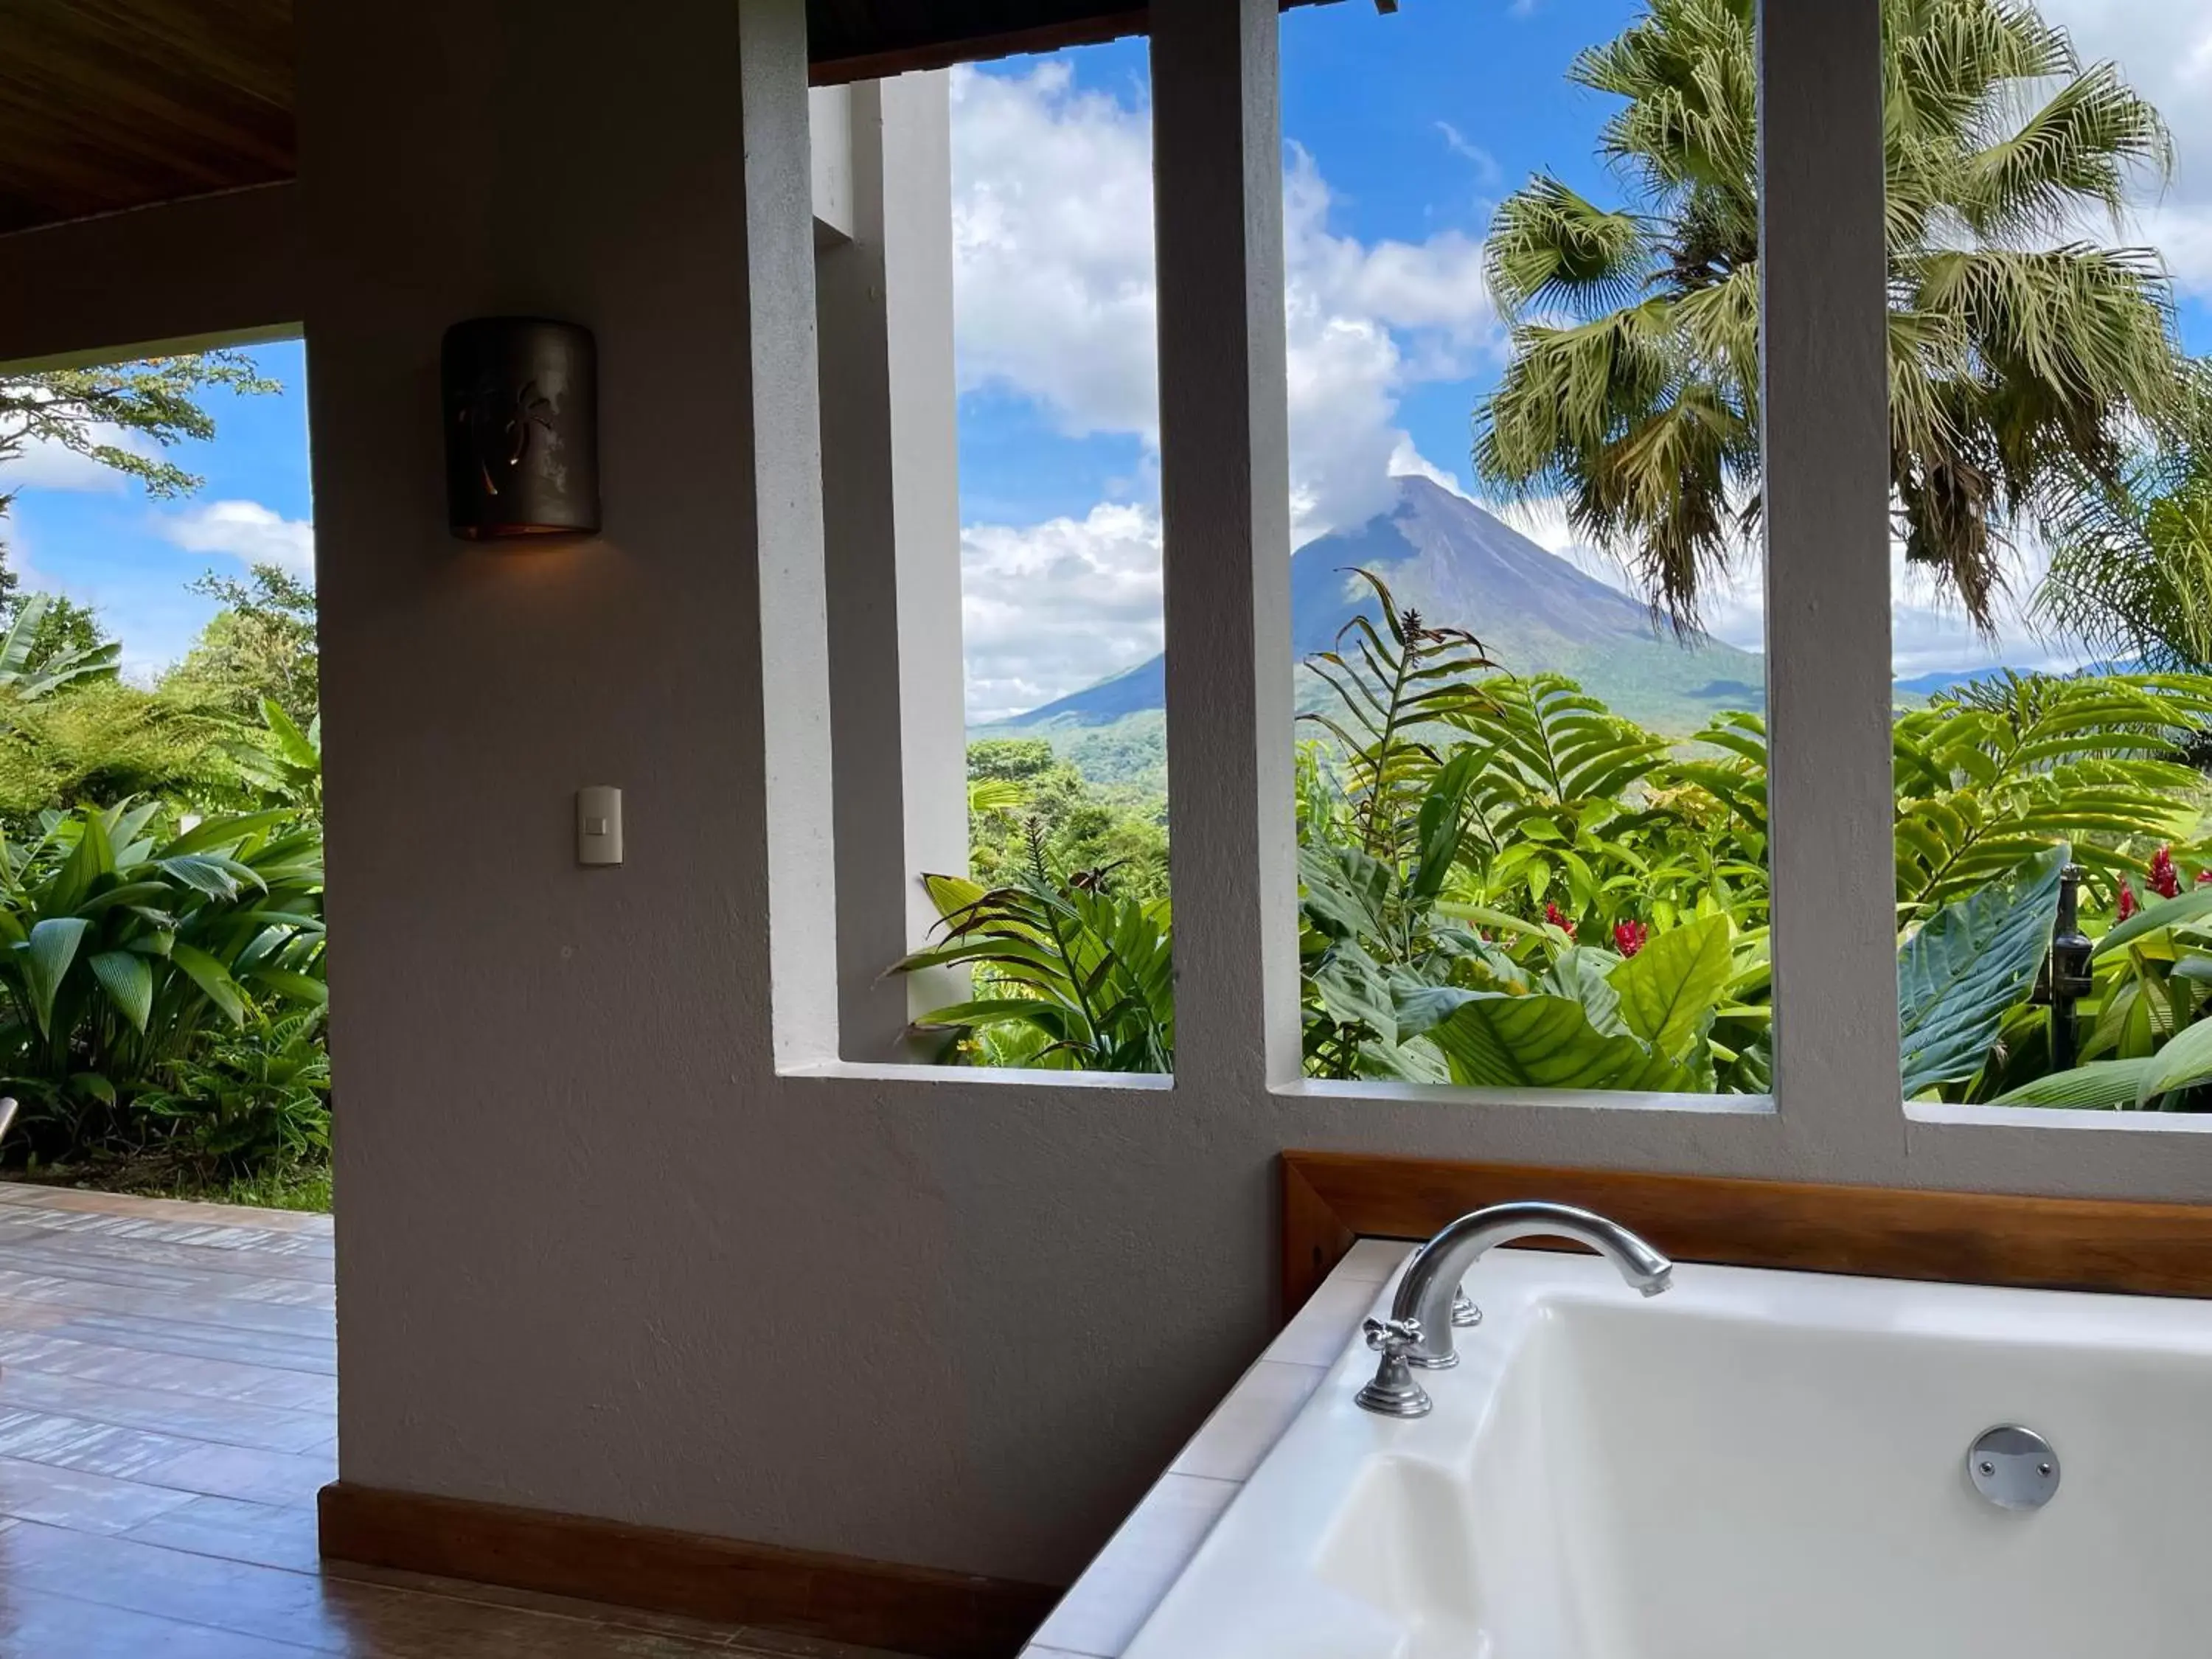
127	941
253	1099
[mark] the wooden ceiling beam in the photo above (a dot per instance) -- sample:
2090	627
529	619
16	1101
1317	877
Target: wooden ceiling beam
112	103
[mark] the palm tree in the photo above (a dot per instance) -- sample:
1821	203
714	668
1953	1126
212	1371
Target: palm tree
2130	571
2023	360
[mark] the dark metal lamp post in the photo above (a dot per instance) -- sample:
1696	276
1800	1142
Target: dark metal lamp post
522	447
2066	976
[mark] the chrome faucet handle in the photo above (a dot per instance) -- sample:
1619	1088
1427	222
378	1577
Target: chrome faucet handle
1392	1336
1394	1392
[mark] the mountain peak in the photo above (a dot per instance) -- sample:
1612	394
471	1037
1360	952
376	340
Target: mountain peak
1461	566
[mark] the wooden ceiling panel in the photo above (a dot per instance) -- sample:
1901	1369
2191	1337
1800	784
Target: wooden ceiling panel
863	40
113	104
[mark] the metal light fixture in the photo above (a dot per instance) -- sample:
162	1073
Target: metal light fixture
522	445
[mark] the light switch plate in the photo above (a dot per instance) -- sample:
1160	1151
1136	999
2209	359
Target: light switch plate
599	825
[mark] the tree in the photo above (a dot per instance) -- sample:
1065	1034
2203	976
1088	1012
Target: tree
95	412
1083	827
52	642
2022	361
62	631
261	644
2130	571
101	743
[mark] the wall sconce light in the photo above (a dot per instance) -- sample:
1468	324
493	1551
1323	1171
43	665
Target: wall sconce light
522	444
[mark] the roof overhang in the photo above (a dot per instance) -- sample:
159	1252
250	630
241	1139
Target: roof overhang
109	105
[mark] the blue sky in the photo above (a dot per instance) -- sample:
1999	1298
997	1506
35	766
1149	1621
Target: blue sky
1418	123
1403	131
102	540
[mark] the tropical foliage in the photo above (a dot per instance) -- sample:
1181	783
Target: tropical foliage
2024	361
129	938
256	1096
162	983
2130	572
160	908
1503	885
1074	976
1021	793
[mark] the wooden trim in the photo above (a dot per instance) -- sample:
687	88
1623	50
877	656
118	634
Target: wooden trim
839	1598
210	270
1329	1199
1314	1236
1112	22
943	54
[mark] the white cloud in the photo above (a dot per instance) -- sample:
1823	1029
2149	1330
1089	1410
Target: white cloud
2164	50
43	464
1929	632
1052	236
246	530
1487	170
1056	302
1048	609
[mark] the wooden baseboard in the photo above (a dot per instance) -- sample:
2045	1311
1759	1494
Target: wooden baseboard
1329	1199
877	1604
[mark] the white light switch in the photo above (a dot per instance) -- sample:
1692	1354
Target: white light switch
599	825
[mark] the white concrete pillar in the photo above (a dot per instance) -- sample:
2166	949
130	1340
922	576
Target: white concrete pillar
786	467
891	481
1224	490
1825	413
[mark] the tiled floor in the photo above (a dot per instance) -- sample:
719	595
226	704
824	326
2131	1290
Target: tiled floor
168	1410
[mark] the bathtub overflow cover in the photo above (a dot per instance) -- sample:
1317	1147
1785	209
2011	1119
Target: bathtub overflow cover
2014	1468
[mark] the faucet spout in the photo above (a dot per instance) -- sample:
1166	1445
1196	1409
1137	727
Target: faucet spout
1425	1293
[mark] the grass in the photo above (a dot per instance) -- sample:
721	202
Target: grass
299	1186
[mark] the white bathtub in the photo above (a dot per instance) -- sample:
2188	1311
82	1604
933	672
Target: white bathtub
1754	1466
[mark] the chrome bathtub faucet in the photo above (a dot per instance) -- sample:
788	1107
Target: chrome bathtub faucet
1418	1332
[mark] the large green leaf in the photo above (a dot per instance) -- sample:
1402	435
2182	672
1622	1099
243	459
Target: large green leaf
222	832
1973	960
2183	1063
213	978
1497	1041
294	987
1346	890
1354	991
46	958
1669	987
128	979
2166	913
1442	810
217	877
1584	973
1056	1020
2103	1083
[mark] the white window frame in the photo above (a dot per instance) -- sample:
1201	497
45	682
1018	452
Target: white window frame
1837	1113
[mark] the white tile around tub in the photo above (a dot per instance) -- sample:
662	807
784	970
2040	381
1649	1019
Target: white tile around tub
1316	1335
1245	1426
1372	1259
1119	1590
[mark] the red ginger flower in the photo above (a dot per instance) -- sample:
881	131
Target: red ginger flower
1628	937
2165	879
2128	906
2203	876
1558	918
